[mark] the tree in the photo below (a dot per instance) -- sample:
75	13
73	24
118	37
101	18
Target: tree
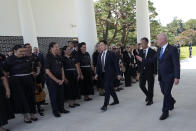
191	24
116	20
185	37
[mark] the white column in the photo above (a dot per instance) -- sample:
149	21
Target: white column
142	19
27	22
86	24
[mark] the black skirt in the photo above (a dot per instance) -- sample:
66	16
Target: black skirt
86	84
72	91
5	108
22	94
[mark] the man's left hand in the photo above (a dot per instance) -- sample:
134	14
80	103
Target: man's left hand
176	81
119	77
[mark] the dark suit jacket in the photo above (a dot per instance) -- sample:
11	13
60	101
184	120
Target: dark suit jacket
151	68
168	65
112	68
127	60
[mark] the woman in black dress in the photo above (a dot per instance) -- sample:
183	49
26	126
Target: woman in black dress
72	92
54	79
86	75
4	107
19	69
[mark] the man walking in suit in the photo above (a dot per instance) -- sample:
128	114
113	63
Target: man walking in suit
168	71
108	69
147	72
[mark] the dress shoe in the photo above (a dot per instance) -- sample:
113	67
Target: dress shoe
164	116
114	103
41	113
172	107
64	111
34	118
149	103
28	121
104	108
72	106
57	114
121	88
101	94
88	99
76	104
146	99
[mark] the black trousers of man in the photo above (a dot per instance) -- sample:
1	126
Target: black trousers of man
144	78
109	90
168	101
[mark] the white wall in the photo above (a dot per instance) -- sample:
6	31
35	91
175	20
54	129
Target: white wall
9	18
54	18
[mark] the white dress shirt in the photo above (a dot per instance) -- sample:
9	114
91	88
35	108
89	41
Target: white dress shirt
164	47
146	51
104	56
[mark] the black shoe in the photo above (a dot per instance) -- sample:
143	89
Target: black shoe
76	104
164	116
104	108
28	121
121	88
88	99
57	114
72	106
41	113
146	99
172	107
44	103
118	90
34	119
100	94
64	111
149	103
114	103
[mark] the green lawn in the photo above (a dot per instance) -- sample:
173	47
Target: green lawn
184	52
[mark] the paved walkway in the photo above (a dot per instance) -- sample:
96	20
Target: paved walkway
130	115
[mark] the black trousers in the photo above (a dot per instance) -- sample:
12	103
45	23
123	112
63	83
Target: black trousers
190	53
150	91
168	101
109	90
56	94
128	76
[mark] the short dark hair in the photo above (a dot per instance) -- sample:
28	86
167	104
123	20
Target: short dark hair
25	45
51	45
16	47
104	41
145	39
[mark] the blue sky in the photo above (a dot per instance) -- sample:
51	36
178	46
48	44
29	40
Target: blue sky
168	9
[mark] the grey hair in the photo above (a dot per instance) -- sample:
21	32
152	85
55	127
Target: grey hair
164	36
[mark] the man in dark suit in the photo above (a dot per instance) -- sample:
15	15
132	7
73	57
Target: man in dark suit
147	72
168	71
108	68
190	49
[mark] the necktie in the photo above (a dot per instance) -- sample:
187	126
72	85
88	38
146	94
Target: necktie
102	61
161	54
144	53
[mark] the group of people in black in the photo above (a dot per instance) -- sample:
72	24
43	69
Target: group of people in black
69	73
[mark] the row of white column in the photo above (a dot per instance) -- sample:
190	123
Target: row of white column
86	23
